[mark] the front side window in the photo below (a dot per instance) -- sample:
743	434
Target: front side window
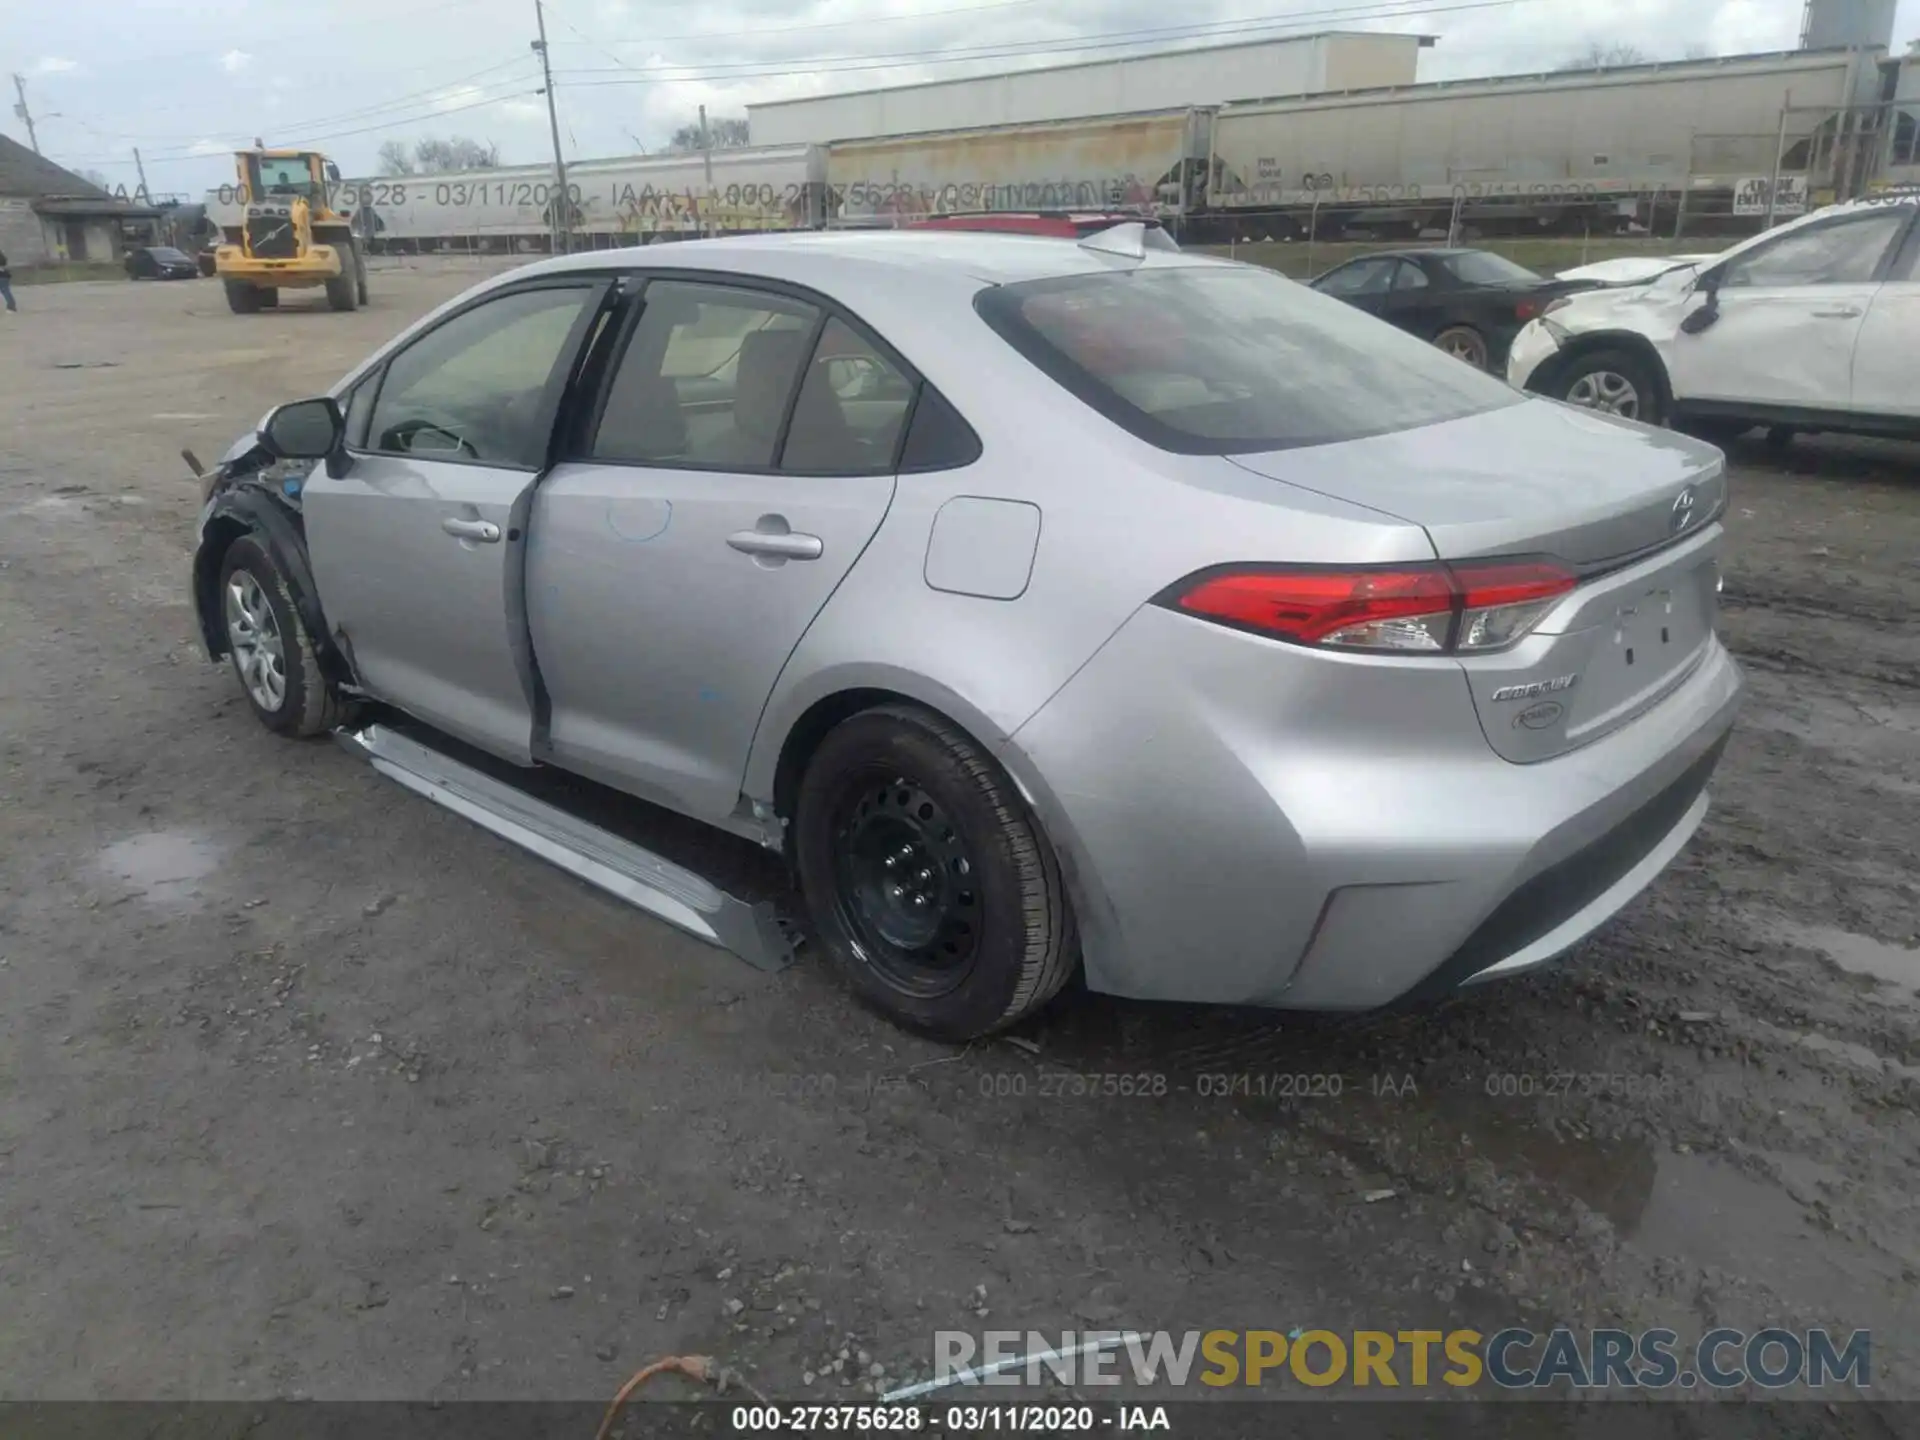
1232	359
477	387
1842	252
1362	277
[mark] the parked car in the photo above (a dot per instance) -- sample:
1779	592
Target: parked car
161	262
1471	303
1814	325
1051	607
1063	224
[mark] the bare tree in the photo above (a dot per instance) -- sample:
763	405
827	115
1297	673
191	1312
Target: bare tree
1697	51
1597	56
95	178
728	132
459	153
394	158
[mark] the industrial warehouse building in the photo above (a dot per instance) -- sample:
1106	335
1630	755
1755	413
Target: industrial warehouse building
50	216
1207	75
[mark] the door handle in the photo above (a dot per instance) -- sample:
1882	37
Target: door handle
1842	312
787	547
484	531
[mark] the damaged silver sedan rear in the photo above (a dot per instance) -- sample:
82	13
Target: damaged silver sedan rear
1050	607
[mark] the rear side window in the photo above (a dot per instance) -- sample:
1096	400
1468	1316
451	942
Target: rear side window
852	407
1481	267
1231	359
707	377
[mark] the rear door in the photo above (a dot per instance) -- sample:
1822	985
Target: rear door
418	549
1791	311
743	455
1886	359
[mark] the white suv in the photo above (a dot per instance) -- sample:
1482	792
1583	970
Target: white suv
1814	325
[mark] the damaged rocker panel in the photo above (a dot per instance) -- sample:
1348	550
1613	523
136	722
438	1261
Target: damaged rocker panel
629	872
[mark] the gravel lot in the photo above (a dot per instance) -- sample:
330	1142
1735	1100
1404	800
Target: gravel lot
310	1088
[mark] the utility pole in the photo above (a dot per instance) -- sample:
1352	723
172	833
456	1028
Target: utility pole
20	89
146	195
563	215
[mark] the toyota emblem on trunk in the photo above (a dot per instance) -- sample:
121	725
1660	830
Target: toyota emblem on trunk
1682	510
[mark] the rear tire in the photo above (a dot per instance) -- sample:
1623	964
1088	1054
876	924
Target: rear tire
935	896
269	299
343	291
242	298
268	646
1615	382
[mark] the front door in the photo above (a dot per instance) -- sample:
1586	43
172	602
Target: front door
1887	357
418	549
1790	313
744	457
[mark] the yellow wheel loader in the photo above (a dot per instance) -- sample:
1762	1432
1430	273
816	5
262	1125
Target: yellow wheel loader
290	236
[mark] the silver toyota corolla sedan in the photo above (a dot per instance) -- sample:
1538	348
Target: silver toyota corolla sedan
1051	605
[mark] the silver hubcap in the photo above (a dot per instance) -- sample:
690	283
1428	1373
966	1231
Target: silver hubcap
254	638
1462	347
1605	390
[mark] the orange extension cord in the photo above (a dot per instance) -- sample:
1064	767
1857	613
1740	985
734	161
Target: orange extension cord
698	1368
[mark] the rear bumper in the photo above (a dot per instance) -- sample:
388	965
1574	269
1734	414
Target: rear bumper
1255	825
320	264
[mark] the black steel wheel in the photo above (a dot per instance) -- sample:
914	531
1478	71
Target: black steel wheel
934	894
904	884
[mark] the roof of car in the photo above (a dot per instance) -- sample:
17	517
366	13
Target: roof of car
994	258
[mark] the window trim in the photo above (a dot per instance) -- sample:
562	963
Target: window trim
1889	253
583	435
559	382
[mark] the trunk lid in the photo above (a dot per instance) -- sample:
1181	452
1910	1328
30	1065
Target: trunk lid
1632	508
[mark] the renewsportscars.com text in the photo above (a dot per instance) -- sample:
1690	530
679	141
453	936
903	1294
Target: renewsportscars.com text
1512	1359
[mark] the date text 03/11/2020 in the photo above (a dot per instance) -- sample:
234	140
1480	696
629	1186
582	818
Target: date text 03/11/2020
959	1419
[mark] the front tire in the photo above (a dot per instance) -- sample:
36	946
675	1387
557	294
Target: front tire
1614	382
242	299
269	648
935	896
1463	342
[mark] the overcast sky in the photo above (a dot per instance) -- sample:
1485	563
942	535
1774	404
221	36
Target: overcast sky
187	81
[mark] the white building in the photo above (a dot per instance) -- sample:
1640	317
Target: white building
1207	75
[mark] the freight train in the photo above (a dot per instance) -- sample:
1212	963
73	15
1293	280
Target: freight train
1701	144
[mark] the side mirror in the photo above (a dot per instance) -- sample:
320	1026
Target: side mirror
1700	320
304	429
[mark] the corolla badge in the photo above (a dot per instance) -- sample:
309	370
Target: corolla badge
1535	689
1682	515
1540	716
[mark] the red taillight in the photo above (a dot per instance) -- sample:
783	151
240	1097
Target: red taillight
1526	310
1434	609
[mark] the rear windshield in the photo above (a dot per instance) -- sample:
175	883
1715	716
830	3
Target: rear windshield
1477	267
1230	359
